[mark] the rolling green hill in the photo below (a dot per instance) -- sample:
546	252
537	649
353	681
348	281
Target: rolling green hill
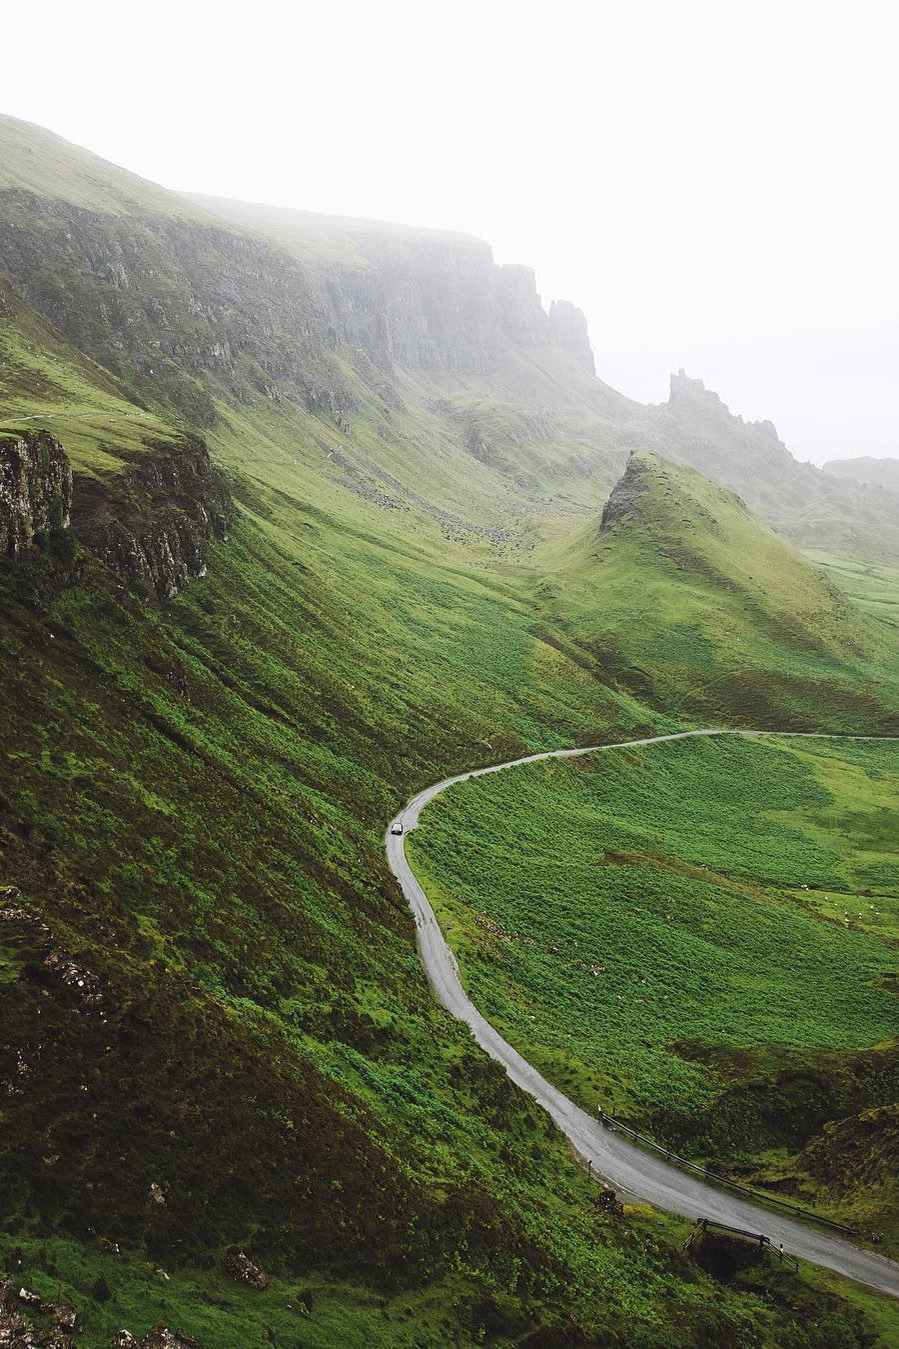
208	983
689	600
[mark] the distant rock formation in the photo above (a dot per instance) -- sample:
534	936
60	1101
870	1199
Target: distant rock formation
683	388
568	329
439	304
879	472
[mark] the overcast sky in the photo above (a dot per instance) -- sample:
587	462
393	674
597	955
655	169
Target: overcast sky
715	184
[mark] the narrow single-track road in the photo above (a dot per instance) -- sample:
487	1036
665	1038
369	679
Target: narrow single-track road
624	1165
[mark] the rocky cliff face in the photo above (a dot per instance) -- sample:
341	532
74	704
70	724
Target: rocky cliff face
422	299
690	399
705	433
568	330
35	490
174	305
155	526
435	305
624	497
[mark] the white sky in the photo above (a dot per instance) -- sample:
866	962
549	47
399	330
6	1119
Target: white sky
714	183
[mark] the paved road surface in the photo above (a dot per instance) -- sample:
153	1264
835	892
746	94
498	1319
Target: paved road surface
625	1166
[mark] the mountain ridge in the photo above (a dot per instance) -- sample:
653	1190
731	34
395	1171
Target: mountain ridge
352	317
881	472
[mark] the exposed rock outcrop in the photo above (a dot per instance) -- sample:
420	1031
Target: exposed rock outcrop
568	329
624	496
241	1269
160	1337
155	526
690	396
35	490
57	1322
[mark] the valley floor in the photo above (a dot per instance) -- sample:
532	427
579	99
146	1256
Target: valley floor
700	934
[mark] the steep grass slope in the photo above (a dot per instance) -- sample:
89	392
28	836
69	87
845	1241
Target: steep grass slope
873	589
45	381
33	159
207	982
210	986
687	599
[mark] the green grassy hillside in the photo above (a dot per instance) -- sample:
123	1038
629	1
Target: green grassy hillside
34	160
208	981
687	599
701	935
46	382
194	809
873	589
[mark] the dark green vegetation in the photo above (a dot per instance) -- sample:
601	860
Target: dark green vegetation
208	982
702	935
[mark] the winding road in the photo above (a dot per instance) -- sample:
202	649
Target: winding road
625	1166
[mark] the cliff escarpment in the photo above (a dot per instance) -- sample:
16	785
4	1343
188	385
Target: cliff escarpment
35	490
178	308
426	300
154	526
568	330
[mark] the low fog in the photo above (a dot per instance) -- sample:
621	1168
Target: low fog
714	184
